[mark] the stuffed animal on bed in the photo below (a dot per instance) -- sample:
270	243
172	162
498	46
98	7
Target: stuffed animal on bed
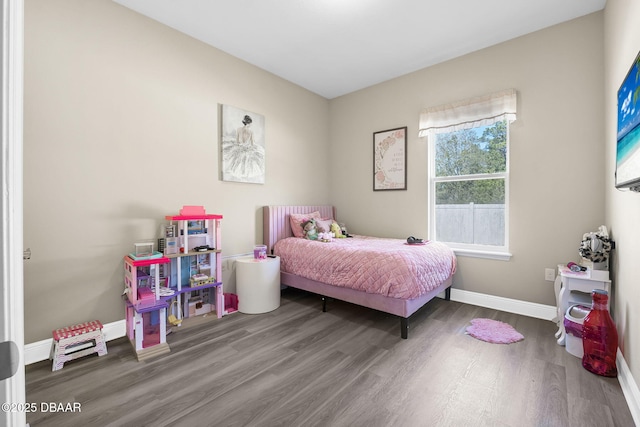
309	230
335	229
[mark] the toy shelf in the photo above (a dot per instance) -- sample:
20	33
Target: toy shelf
189	289
185	286
181	281
192	253
198	237
162	303
186	289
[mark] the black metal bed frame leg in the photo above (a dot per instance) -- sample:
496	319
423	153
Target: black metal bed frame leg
404	328
324	304
447	294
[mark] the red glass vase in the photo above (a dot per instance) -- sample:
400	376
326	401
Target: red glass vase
599	337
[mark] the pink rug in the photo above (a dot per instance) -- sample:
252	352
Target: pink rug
493	331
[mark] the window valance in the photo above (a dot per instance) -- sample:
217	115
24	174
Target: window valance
480	111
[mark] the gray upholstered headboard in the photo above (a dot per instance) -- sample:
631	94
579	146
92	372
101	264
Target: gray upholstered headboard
276	224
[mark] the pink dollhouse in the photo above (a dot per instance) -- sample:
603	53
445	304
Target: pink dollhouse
184	281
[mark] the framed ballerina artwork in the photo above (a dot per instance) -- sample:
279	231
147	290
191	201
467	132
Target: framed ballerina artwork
242	145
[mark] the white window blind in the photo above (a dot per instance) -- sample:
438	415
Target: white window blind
480	111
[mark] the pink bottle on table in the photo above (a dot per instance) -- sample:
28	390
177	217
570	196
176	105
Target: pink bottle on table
599	337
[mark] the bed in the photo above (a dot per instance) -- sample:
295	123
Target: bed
405	277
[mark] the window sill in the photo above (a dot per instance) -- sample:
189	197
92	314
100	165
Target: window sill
500	256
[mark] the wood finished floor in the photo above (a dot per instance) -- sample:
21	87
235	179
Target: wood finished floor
297	366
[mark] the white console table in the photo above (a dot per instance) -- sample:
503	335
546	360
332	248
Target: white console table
575	288
258	285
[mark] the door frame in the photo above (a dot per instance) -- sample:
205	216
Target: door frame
12	389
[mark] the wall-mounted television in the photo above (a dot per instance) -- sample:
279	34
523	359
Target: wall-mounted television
628	137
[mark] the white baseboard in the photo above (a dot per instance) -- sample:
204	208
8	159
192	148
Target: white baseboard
40	350
530	309
629	387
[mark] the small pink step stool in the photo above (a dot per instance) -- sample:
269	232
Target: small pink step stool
71	342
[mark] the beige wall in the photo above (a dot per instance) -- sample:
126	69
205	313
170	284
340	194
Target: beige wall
556	187
121	129
622	42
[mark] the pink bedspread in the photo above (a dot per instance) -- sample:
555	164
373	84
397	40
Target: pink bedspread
383	266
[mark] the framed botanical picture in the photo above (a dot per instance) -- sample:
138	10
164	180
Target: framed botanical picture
242	157
390	159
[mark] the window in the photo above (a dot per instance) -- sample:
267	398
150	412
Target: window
469	174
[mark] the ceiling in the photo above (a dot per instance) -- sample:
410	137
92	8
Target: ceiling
334	47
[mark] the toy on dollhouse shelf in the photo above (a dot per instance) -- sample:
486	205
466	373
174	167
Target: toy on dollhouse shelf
144	251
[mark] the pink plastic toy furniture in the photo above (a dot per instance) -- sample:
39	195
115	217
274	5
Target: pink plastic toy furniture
70	343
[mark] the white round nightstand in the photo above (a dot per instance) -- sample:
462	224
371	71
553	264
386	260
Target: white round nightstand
258	285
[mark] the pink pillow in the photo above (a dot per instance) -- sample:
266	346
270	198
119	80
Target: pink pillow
296	221
324	225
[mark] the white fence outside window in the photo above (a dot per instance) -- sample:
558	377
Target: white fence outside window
471	223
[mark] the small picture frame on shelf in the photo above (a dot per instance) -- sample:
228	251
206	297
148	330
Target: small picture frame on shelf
171	246
168	230
196	227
